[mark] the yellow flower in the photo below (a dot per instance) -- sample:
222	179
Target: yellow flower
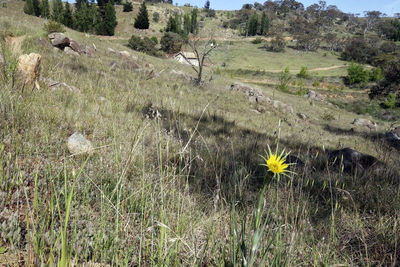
276	164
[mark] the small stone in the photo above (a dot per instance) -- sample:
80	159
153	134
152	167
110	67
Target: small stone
78	144
110	51
124	54
302	116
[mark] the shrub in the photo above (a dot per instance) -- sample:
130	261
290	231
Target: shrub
356	74
359	50
127	7
145	45
376	75
171	42
303	73
53	26
210	13
284	80
390	101
156	17
277	44
258	40
154	39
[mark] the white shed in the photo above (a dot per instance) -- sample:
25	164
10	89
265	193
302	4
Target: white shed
187	58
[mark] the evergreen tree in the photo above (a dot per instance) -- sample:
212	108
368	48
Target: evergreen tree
142	20
207	5
171	25
194	24
28	7
36	7
83	19
58	11
252	25
45	9
187	24
264	27
178	21
110	20
68	16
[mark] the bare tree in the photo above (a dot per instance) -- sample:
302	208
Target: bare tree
202	50
372	18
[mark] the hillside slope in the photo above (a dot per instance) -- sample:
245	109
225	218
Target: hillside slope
176	174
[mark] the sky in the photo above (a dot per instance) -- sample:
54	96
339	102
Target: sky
349	6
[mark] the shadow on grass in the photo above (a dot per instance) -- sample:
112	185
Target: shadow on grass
226	159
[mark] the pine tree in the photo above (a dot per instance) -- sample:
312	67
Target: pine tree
194	24
178	21
36	7
142	20
45	9
110	20
68	16
252	25
28	7
171	25
207	5
264	27
187	24
82	21
58	11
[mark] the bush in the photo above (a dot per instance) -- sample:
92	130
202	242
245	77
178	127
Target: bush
356	74
53	26
171	43
390	101
154	39
210	13
127	7
284	80
156	17
145	45
277	44
359	50
303	73
376	75
258	40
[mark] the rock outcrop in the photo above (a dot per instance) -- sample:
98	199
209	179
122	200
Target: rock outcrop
29	67
393	137
366	123
69	46
351	160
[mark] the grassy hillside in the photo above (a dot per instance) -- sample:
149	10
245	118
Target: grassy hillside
184	187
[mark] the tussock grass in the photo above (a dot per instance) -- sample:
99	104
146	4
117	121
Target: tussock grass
184	188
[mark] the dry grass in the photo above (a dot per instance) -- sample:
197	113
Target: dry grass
183	189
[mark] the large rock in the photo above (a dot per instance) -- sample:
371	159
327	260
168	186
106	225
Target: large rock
68	50
59	39
393	137
366	123
77	47
282	106
125	54
43	42
351	160
29	67
78	144
313	95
